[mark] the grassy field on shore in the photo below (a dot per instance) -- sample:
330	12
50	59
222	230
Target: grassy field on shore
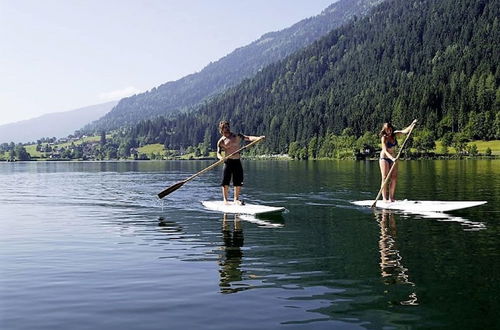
494	145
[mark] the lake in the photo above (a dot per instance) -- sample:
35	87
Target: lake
88	245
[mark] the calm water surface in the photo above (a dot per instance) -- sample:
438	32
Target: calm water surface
89	246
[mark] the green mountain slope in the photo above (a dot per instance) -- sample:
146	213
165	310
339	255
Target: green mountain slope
436	60
230	70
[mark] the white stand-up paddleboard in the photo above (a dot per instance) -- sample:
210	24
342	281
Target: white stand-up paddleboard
422	206
241	209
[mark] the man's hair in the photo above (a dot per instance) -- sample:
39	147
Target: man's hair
222	124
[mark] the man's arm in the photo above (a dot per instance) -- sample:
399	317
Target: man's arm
250	138
219	149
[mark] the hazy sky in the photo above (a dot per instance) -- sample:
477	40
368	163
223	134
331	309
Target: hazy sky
59	55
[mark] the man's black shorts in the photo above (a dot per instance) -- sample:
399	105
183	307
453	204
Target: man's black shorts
232	168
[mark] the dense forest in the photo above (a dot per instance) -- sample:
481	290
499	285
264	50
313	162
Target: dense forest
436	60
230	70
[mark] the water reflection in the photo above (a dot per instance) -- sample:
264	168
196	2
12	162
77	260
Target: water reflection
230	261
392	269
272	221
168	226
467	224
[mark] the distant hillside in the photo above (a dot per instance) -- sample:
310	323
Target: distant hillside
58	124
436	60
242	63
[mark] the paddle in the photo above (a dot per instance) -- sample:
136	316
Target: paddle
179	184
394	164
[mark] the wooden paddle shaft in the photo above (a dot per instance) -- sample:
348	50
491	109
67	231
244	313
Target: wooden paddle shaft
222	160
393	166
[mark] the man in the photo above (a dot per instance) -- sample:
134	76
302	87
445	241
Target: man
230	143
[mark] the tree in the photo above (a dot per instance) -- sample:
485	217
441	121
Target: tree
447	139
66	153
21	153
472	149
103	138
497	124
444	150
424	141
348	131
294	150
111	152
78	153
312	148
459	143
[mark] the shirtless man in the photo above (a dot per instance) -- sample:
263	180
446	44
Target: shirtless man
229	143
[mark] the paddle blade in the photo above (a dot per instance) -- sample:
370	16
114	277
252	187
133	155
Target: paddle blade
171	189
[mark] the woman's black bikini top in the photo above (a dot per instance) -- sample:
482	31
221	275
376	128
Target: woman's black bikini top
390	144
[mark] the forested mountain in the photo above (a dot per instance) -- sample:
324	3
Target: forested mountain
230	70
57	124
436	60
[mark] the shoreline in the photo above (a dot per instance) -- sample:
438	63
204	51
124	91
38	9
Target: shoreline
263	157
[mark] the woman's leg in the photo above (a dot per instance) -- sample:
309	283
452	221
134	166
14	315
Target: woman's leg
394	181
384	169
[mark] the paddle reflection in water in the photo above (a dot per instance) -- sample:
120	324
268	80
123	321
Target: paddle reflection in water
391	266
230	261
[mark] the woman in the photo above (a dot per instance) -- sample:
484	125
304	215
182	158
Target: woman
230	143
387	158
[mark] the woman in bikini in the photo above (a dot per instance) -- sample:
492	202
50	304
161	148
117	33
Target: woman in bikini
387	158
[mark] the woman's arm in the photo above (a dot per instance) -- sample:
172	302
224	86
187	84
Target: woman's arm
407	129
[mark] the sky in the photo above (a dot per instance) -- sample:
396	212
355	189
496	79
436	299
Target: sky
61	55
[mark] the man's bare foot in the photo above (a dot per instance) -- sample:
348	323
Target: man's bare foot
226	202
237	202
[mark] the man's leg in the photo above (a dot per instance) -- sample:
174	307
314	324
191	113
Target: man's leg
237	180
237	190
225	193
